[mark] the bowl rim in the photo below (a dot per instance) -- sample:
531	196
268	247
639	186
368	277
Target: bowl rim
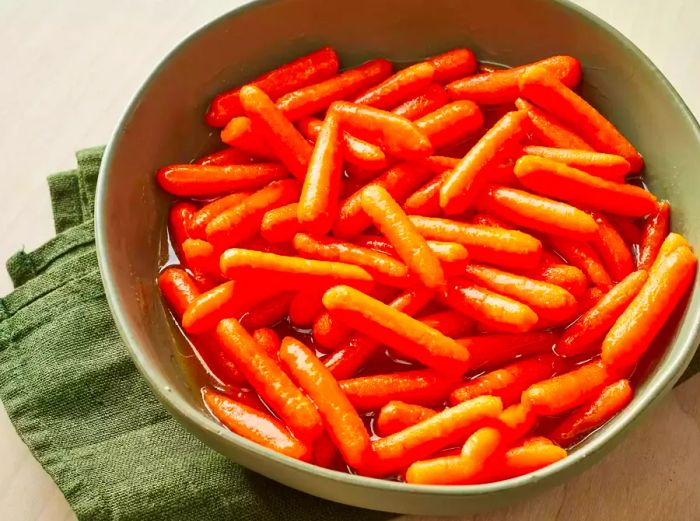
194	421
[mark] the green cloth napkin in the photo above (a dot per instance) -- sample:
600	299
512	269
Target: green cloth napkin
86	414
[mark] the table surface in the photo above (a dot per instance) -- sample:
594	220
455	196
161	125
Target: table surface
69	69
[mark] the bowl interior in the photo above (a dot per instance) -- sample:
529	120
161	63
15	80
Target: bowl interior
164	125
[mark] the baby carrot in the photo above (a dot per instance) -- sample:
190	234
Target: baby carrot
672	242
178	288
208	308
317	97
397	88
280	224
582	255
305	306
440	164
203	181
227	156
501	87
545	90
616	256
656	229
396	329
396	415
201	255
451	123
198	224
549	132
268	312
268	340
312	68
255	425
241	133
329	332
489	351
606	166
571	278
179	219
270	381
466	181
635	329
342	422
449	323
426	200
431	98
443	250
526	458
453	64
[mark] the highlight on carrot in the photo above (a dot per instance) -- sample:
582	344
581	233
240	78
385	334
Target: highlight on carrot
492	351
207	180
280	224
453	64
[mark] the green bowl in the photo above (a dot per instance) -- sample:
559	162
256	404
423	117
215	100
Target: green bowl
163	124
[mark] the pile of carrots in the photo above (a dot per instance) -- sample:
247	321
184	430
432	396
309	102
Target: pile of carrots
441	274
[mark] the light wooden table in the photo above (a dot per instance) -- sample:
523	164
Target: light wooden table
70	67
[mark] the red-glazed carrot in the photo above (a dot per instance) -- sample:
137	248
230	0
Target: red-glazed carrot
396	415
440	164
329	332
582	255
280	224
399	181
501	87
451	123
449	323
453	64
268	340
312	68
616	256
491	351
227	156
568	390
241	133
635	329
198	224
178	288
242	222
466	181
590	416
268	312
315	98
279	133
431	98
489	220
202	181
571	278
607	166
179	219
536	212
270	381
397	88
201	256
545	90
656	229
549	132
342	422
559	181
672	242
531	455
396	135
486	244
443	250
426	200
208	308
398	330
245	396
255	425
325	452
305	306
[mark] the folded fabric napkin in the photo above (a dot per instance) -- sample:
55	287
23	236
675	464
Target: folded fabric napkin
86	414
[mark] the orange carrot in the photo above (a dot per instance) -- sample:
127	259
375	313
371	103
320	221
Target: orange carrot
490	351
178	288
451	123
205	180
548	131
526	458
201	255
198	224
268	312
571	278
656	229
329	332
616	256
672	242
582	255
426	200
268	340
227	156
396	415
305	306
431	98
453	64
397	88
449	323
440	164
443	250
606	166
242	133
280	224
179	219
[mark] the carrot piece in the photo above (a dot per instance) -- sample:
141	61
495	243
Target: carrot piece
343	424
399	181
431	98
399	87
205	180
571	278
179	218
270	381
545	90
198	224
559	181
445	251
241	133
426	200
672	242
616	256
656	229
490	351
582	255
468	178
527	457
568	390
451	123
396	415
267	339
280	224
227	156
440	164
589	417
315	98
268	312
325	451
255	425
279	133
305	306
449	323
398	330
453	64
201	255
606	166
307	70
242	222
486	244
178	288
549	132
635	329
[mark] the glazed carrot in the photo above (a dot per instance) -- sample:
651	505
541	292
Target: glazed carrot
536	212
203	181
242	222
489	351
628	229
486	244
342	423
329	332
440	164
451	123
526	458
201	255
396	415
582	255
672	242
325	452
550	132
280	224
207	309
449	323
396	135
568	390
410	245
268	312
426	200
606	166
307	70
559	181
635	329
443	250
242	133
467	180
545	90
399	181
279	133
268	340
243	395
198	224
398	330
179	219
501	313
616	256
656	229
227	156
255	425
501	87
571	278
431	98
453	64
305	307
178	289
398	88
510	381
592	415
315	98
270	381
